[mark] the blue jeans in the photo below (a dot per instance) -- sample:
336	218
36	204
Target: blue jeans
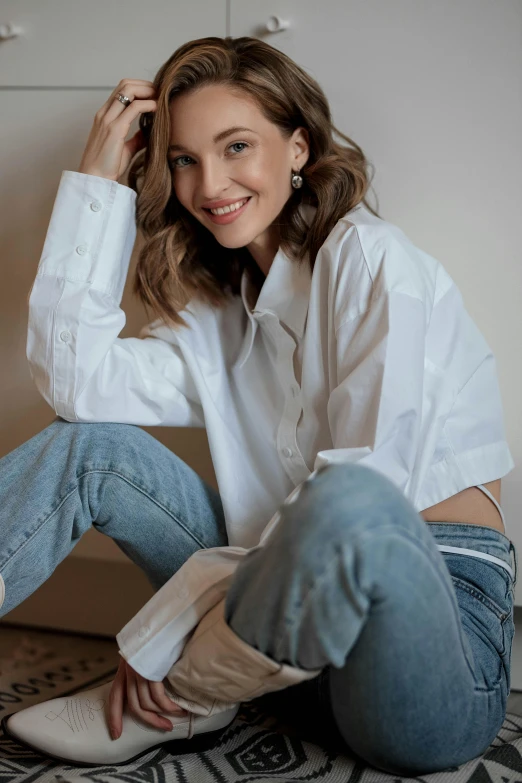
414	645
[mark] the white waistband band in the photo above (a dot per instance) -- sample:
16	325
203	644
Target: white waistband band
460	550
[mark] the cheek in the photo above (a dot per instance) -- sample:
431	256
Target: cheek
268	175
264	184
256	171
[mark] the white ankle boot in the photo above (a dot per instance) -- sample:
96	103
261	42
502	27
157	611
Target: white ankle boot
215	673
75	729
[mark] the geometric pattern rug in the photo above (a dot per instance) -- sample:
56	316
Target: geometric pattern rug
257	746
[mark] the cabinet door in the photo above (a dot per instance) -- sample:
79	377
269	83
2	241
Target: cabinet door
74	44
431	92
53	78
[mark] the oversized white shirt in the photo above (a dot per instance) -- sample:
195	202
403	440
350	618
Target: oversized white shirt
373	359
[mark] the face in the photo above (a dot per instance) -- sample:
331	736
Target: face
254	164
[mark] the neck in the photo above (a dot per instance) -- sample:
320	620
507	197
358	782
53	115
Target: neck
263	250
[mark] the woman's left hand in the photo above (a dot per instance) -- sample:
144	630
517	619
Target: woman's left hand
145	698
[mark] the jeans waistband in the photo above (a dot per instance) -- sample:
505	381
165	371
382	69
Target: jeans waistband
479	541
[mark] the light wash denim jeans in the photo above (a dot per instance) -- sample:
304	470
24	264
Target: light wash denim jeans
414	645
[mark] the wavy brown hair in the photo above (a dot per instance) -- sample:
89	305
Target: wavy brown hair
181	259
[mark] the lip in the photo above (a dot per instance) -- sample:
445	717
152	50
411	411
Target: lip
230	216
225	202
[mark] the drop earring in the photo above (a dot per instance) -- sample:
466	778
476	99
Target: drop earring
297	180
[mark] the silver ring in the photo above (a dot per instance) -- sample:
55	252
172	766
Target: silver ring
123	99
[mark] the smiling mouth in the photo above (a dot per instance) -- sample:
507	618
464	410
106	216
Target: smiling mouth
228	212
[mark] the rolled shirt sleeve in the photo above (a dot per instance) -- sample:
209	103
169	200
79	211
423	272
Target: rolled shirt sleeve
153	640
79	364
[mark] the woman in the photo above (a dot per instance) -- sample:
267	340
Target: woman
349	401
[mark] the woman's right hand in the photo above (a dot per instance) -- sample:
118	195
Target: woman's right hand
107	154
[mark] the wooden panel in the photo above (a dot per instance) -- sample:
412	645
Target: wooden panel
85	596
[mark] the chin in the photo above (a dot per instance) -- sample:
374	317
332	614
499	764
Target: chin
233	245
240	239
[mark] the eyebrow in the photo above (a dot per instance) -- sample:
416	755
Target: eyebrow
218	137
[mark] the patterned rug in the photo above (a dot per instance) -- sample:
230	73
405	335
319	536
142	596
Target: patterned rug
257	746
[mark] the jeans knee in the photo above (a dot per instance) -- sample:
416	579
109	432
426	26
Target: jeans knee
357	485
339	498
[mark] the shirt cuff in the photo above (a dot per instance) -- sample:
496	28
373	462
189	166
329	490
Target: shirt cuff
91	233
153	640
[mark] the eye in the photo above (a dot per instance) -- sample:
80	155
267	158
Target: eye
173	164
236	143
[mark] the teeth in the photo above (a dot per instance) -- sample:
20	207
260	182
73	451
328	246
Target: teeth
230	208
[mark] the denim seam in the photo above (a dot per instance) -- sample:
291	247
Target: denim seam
156	502
124	478
422	548
497	610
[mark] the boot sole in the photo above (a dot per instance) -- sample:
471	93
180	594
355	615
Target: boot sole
179	747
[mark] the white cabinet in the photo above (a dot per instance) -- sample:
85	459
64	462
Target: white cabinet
69	43
53	78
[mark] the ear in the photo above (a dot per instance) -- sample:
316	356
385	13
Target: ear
300	145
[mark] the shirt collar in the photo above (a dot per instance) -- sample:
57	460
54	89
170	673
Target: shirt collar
285	293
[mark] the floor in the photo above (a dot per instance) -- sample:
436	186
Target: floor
23	646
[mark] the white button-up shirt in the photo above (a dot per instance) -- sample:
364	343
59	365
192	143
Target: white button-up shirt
372	358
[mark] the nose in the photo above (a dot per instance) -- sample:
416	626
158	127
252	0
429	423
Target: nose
213	180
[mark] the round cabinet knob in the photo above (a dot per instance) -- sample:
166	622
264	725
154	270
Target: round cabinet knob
275	24
9	31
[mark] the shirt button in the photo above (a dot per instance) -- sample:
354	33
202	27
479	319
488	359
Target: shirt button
287	452
183	592
65	336
96	206
82	249
143	631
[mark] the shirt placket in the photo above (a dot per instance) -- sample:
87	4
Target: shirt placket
286	440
